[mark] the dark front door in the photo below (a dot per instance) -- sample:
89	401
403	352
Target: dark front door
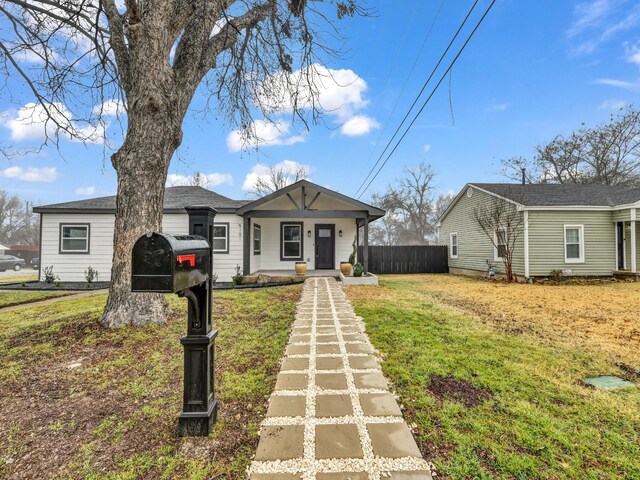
620	249
325	247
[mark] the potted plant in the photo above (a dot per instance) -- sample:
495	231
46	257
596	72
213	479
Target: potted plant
345	267
301	268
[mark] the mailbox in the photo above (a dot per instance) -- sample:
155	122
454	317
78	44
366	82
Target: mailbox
169	263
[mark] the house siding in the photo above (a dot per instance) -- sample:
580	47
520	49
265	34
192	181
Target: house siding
70	267
546	242
474	247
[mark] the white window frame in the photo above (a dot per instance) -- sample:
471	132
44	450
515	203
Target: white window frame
87	228
283	241
496	250
451	235
581	244
257	228
226	237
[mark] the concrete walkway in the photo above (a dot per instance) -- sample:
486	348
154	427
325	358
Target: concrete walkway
331	416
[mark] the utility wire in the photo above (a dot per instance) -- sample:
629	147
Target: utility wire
424	86
444	75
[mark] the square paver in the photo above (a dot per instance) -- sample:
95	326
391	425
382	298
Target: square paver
359	348
295	364
342	476
329	363
363	362
393	440
298	349
351	329
417	475
354	337
326	338
331	381
379	404
276	476
299	339
324	349
287	406
333	406
338	441
325	322
370	380
280	443
301	330
291	381
326	330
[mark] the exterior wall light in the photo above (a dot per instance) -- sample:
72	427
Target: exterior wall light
309	233
339	233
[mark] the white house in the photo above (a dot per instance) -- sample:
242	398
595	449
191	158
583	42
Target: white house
301	222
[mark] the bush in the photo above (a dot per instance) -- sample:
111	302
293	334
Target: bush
352	257
238	277
557	275
358	270
49	276
90	275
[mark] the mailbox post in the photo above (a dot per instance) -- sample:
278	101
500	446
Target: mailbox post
182	264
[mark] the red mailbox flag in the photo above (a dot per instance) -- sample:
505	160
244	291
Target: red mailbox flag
190	259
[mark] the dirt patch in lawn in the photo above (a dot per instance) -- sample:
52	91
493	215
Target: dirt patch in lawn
449	388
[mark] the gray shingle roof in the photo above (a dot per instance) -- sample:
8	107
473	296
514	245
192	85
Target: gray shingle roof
555	195
175	199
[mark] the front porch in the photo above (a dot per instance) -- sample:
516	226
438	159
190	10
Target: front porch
292	273
627	243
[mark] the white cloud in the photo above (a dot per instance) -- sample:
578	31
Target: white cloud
32	123
598	21
426	148
262	133
110	108
259	170
497	107
359	125
625	85
85	190
32	174
633	53
207	179
613	104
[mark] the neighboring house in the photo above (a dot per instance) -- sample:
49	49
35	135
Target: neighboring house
581	229
301	222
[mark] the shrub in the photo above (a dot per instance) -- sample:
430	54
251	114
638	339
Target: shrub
91	275
557	275
358	270
49	276
352	257
238	277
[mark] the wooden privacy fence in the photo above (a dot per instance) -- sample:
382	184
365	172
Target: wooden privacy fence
407	259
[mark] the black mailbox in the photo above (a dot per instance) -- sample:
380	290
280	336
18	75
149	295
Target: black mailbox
169	263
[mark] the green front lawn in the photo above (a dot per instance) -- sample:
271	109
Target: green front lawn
78	401
492	402
18	297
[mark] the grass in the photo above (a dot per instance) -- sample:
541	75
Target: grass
18	297
104	403
490	400
27	277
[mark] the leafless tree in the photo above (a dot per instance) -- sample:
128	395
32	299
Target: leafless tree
277	177
18	223
502	223
410	208
83	60
608	154
442	203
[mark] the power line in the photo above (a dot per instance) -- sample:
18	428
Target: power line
444	75
415	101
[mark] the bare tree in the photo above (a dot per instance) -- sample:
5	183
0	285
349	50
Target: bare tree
84	59
442	203
277	177
608	154
390	229
410	208
18	223
501	221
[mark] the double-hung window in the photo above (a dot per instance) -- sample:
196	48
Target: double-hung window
257	239
501	244
74	238
453	245
574	243
220	238
291	241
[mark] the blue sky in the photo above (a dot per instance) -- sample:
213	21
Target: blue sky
533	70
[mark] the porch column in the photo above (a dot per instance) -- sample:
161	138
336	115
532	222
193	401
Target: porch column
246	245
634	258
365	255
357	239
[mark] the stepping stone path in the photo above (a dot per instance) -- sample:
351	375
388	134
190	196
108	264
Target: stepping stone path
331	416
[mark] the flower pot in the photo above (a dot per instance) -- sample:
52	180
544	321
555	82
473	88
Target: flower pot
301	268
345	268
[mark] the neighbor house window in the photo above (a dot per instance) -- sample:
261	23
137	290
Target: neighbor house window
74	238
453	245
291	241
500	250
574	243
257	240
221	238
